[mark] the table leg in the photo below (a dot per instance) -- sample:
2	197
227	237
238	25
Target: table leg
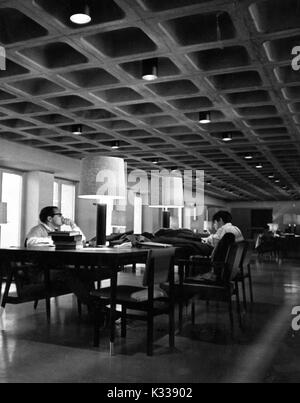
113	285
181	278
1	280
47	292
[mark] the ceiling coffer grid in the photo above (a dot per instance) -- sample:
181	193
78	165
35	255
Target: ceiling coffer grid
231	58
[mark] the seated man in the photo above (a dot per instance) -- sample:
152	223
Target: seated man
50	220
222	223
81	282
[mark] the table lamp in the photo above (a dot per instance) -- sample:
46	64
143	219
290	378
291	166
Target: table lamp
166	193
103	180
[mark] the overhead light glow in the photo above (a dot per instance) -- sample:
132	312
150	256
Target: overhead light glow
150	69
227	137
204	118
115	145
77	129
81	16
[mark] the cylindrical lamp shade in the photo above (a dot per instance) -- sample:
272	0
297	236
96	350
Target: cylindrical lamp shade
102	179
167	191
3	213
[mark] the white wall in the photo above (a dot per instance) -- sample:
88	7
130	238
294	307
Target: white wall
17	156
39	169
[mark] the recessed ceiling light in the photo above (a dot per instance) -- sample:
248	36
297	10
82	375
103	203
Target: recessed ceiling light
271	176
204	117
155	162
248	157
259	166
115	145
81	15
77	129
150	69
227	137
277	181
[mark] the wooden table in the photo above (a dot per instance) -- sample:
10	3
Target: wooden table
50	259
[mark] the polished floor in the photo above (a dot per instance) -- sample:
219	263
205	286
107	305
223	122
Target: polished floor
267	351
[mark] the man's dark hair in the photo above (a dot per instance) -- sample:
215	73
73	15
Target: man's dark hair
224	215
46	212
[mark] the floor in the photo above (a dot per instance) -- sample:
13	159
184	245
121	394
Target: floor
267	351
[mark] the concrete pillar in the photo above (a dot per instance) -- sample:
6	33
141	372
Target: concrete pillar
38	194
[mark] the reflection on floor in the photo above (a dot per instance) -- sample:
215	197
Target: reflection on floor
267	351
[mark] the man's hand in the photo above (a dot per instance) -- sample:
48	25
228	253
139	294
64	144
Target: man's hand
68	221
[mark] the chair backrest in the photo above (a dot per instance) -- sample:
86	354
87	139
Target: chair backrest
233	261
159	264
221	250
247	259
245	252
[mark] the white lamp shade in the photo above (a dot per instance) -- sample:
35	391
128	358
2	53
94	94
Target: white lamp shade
167	190
3	213
102	179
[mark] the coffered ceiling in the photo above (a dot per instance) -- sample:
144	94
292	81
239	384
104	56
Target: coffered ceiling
232	58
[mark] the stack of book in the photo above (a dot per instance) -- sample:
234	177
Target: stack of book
65	240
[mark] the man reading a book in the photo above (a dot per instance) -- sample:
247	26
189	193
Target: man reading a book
51	219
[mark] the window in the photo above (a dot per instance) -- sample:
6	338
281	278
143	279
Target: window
64	197
11	193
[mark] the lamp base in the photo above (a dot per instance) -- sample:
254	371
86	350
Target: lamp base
166	219
101	225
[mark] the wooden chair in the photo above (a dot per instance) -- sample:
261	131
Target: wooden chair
199	265
28	288
154	297
221	285
245	274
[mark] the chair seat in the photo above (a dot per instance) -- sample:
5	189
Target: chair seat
34	292
206	279
129	293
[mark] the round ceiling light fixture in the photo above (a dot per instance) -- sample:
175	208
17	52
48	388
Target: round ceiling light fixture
81	15
115	145
204	118
227	137
248	157
77	129
259	166
150	69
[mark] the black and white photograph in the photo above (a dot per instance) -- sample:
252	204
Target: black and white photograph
149	194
